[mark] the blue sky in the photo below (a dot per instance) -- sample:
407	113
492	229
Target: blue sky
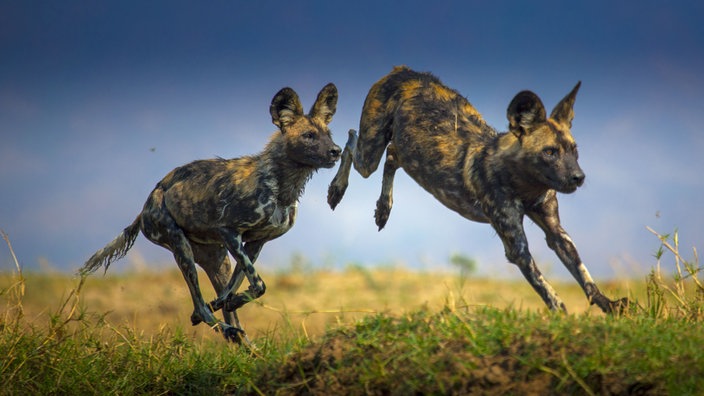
99	100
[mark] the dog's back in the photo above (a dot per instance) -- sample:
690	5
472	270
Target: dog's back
435	129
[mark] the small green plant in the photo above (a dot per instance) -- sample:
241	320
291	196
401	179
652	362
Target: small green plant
466	265
682	294
366	274
15	291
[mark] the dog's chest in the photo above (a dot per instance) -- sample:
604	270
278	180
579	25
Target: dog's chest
275	224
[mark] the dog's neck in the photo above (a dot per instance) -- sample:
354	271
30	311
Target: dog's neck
291	180
288	178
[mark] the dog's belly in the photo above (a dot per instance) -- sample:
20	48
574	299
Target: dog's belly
456	198
444	180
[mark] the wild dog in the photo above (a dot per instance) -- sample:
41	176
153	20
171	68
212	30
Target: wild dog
207	208
442	142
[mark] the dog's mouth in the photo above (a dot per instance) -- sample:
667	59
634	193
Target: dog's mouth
330	163
324	159
565	187
322	162
568	188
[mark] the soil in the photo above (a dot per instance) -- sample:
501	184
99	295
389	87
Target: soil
332	367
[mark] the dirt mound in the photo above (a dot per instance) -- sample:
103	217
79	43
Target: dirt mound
341	365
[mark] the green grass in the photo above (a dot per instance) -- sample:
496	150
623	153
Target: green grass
496	351
655	348
483	350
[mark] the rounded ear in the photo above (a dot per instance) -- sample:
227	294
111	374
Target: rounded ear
325	105
524	111
285	108
563	112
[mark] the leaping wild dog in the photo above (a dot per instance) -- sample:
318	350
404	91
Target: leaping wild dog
207	208
442	142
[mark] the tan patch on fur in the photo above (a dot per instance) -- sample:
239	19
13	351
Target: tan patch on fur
469	110
301	125
560	128
443	93
409	89
244	175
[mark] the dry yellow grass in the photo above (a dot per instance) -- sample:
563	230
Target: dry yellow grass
306	302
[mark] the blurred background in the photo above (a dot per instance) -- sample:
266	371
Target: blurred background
99	100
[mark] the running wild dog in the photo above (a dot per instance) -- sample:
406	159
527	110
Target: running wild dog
207	208
442	142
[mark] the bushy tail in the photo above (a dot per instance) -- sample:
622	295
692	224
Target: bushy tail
113	250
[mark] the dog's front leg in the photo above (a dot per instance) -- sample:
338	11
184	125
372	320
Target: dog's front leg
232	285
233	242
226	298
508	223
234	301
546	216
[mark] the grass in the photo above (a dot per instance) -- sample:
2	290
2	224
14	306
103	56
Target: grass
358	331
483	351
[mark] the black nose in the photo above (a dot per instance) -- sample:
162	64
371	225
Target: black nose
577	178
335	152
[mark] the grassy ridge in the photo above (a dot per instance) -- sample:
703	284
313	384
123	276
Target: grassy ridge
393	332
484	350
495	352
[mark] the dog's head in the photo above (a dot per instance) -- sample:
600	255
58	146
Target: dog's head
308	138
548	153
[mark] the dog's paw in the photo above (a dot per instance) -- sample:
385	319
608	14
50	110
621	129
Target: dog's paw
620	306
335	193
381	214
195	319
234	335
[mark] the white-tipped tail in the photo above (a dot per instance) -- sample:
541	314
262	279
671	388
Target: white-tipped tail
114	250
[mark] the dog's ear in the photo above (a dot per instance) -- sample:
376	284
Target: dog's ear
525	111
563	112
325	105
285	108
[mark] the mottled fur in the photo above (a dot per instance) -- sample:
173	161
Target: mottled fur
207	208
442	142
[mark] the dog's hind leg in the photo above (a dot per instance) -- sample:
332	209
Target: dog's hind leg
364	151
183	254
159	227
386	200
339	183
227	299
216	263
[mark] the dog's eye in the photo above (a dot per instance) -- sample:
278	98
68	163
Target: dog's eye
308	135
550	152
